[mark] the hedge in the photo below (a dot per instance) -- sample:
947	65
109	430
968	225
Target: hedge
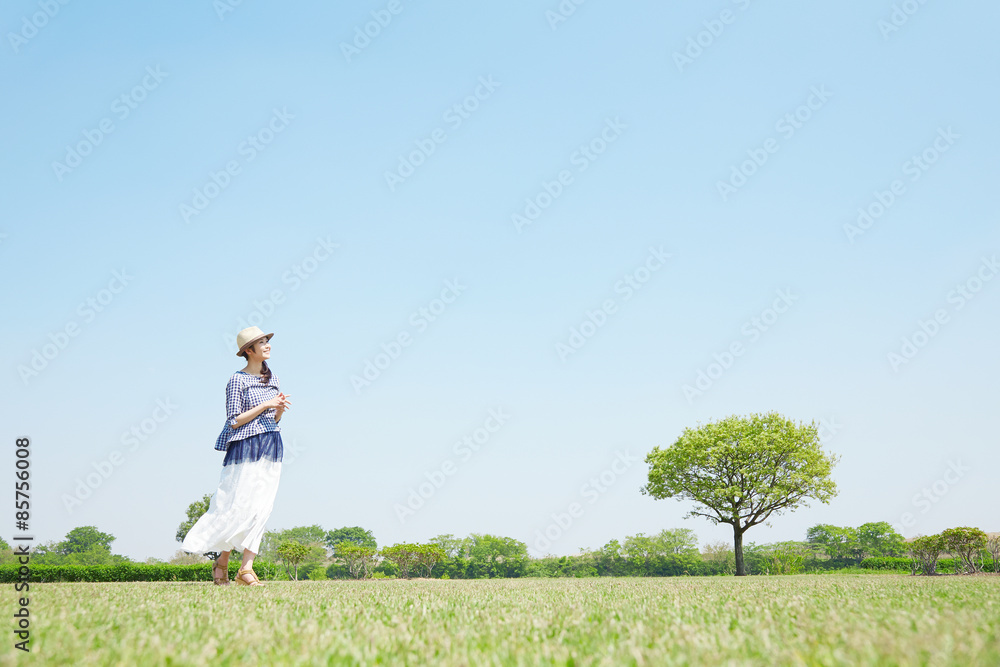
10	572
944	565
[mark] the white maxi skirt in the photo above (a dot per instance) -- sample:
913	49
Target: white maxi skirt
241	506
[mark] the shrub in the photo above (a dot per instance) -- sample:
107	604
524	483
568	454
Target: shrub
993	547
925	551
9	573
968	543
887	563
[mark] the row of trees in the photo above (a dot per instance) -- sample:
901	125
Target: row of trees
741	471
305	552
970	545
85	545
869	540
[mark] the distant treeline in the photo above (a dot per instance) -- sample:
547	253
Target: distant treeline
310	552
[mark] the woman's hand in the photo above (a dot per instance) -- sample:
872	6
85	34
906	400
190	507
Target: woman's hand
283	404
279	402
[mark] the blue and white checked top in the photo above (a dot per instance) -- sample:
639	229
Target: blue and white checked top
243	393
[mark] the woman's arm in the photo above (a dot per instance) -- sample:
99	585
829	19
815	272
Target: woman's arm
251	414
281	409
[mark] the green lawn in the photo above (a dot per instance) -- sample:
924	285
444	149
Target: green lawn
791	620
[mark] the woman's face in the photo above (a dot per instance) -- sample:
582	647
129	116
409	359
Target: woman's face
260	351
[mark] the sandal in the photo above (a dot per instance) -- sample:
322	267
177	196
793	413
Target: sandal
253	582
220	580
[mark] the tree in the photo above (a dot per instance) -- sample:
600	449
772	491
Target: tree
784	557
194	512
742	470
304	534
313	537
720	552
405	556
314	571
925	551
452	546
495	556
968	543
610	561
993	546
676	541
838	543
638	548
879	539
84	539
360	560
355	534
292	553
429	555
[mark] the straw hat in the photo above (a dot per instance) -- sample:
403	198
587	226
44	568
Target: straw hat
248	336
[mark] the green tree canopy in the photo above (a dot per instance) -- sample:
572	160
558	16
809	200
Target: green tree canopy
86	538
676	541
312	536
405	556
360	560
451	545
742	471
495	556
925	551
429	555
355	534
292	553
836	541
666	542
879	539
967	543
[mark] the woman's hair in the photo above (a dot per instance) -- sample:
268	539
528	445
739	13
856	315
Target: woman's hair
265	376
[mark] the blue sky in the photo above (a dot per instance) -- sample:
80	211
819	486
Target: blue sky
619	124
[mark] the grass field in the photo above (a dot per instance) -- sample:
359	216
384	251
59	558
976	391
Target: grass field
791	620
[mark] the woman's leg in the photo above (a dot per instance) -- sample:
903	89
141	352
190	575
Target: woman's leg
220	568
246	574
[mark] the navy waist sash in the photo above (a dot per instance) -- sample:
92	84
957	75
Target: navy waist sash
261	446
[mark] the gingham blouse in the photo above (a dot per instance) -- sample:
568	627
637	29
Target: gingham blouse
243	393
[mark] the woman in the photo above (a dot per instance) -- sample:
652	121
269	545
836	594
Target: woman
251	439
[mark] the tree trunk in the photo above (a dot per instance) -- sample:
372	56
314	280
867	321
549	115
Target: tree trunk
738	550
